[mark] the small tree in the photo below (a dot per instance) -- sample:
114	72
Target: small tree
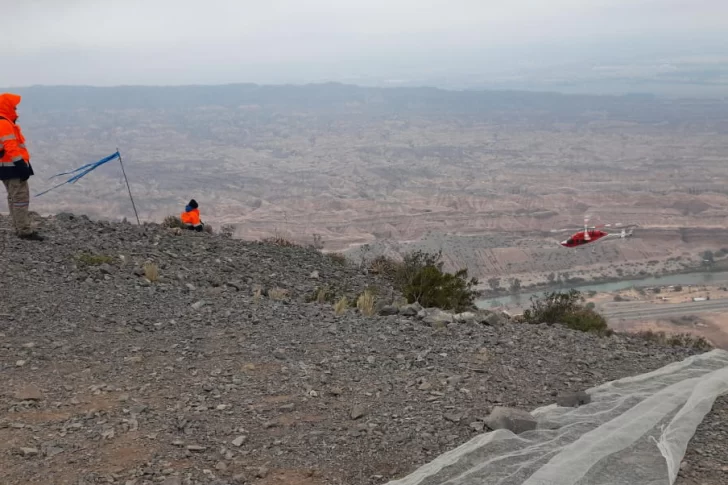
515	285
494	283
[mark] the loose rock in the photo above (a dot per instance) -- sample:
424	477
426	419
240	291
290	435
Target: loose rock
357	412
239	441
573	400
515	420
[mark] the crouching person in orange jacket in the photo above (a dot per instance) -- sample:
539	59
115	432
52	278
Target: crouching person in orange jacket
15	169
191	217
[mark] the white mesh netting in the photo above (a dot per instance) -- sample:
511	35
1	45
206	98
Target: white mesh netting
634	432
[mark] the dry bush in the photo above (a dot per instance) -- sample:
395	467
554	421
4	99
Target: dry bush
676	340
341	306
280	241
173	222
257	293
151	271
338	258
322	295
227	231
277	294
365	303
318	242
385	266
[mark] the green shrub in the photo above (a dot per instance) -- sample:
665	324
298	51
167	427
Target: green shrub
89	259
421	279
585	320
567	309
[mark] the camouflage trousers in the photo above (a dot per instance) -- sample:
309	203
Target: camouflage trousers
18	202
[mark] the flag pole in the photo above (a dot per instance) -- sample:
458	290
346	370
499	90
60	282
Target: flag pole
128	188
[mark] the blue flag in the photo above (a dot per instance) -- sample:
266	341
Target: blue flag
81	171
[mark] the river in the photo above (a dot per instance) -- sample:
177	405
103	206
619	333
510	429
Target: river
521	300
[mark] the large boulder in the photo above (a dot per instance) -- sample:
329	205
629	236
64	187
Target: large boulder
437	318
465	317
515	420
388	310
493	319
410	310
573	399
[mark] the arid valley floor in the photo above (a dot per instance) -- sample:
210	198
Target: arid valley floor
484	176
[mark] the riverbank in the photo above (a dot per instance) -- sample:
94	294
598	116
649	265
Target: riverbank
522	299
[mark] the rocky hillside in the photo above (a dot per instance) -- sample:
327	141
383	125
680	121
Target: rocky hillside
222	371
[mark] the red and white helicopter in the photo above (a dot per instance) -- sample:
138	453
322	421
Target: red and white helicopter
594	234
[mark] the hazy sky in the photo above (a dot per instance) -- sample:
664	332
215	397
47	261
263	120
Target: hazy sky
105	42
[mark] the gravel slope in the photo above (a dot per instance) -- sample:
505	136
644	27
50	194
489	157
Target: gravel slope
706	459
194	380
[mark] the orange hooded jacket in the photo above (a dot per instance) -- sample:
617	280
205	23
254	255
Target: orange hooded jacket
14	156
191	217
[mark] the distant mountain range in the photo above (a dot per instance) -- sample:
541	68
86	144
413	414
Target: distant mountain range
339	99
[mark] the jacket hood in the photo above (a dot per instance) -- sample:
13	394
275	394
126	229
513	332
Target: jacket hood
8	104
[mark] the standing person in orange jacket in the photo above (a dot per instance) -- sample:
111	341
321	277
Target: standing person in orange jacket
15	168
191	217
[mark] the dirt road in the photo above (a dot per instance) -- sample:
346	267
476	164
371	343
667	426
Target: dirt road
650	311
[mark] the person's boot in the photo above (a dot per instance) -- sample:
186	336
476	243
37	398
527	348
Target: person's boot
31	236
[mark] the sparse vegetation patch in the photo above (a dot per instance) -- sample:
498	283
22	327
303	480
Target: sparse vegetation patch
685	340
566	308
90	259
173	222
420	278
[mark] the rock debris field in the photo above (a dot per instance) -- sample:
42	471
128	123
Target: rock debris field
223	372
